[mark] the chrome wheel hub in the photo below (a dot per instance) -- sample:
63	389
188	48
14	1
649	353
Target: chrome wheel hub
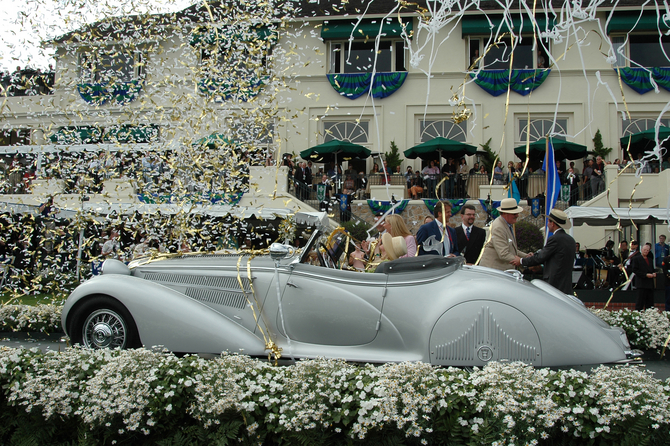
104	329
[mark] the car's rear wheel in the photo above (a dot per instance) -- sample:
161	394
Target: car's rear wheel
103	322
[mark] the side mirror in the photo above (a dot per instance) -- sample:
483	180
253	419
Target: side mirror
279	251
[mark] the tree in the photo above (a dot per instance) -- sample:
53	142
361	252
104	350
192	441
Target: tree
598	147
489	157
393	157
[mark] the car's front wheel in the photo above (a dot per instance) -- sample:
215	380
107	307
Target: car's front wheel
102	322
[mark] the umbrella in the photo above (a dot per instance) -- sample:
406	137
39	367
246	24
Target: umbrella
645	141
331	150
334	149
447	148
562	149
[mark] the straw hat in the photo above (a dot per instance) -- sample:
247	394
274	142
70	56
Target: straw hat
509	206
394	246
560	218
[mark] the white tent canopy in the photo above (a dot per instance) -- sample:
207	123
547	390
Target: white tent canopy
604	216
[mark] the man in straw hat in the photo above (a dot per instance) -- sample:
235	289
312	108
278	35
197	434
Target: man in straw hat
500	250
557	255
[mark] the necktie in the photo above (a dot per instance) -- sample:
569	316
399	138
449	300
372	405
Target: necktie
467	233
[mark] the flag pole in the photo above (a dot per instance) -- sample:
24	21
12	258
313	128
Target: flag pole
546	186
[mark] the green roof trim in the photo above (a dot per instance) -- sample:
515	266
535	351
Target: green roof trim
343	29
479	24
632	21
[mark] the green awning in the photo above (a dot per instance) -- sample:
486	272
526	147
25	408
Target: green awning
342	29
131	134
77	135
207	36
629	20
479	24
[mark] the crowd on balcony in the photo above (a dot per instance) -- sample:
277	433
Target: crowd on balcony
27	82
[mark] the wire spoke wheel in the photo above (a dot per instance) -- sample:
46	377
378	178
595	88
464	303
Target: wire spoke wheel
104	328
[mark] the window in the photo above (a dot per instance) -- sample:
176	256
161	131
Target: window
430	129
539	128
359	56
629	127
352	131
497	57
15	137
111	65
645	50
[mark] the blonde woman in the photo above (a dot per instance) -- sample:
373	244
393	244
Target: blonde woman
395	225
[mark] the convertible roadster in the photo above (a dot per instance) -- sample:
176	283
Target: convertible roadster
305	303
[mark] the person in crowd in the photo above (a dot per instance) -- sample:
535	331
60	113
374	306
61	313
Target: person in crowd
408	177
483	171
623	252
437	237
428	219
475	169
596	180
449	174
323	193
661	250
110	249
470	237
665	267
498	174
522	184
299	181
462	178
375	169
430	173
643	267
395	225
586	179
557	255
416	188
572	180
361	185
501	250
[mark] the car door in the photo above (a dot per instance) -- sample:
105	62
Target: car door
331	307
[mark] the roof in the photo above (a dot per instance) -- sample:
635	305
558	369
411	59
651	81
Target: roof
604	216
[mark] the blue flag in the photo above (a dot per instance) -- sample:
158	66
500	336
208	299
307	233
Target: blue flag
513	192
553	182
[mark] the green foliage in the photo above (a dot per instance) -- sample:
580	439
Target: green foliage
357	228
393	157
528	236
598	147
489	157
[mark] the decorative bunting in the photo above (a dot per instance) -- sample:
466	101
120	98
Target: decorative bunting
204	198
380	207
355	85
455	205
640	79
120	93
496	82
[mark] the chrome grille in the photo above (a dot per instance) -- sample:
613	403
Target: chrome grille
485	335
223	282
229	299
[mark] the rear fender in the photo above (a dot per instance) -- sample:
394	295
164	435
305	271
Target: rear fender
168	318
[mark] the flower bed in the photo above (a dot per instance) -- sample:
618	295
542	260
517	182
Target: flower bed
143	396
30	318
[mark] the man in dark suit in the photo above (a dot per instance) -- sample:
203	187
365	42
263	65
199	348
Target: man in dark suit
470	237
558	254
437	237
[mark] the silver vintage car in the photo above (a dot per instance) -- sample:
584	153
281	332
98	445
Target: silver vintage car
427	308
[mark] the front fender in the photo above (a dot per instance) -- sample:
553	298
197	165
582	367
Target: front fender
166	317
